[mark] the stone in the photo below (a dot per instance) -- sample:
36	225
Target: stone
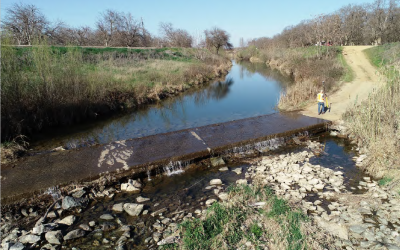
119	207
74	234
131	186
43	228
133	209
24	213
54	237
142	199
70	202
215	182
241	182
79	193
223	196
169	240
217	161
29	238
69	220
156	236
319	186
237	170
84	226
106	217
107	226
17	246
158	212
223	169
358	229
92	223
209	202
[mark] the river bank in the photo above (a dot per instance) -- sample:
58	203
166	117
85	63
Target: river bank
286	200
45	87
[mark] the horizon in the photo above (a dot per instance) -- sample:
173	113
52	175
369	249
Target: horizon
238	19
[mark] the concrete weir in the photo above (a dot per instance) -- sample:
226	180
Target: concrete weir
138	155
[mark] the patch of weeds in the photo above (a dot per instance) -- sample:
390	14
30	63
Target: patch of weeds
384	181
295	238
256	230
279	207
170	246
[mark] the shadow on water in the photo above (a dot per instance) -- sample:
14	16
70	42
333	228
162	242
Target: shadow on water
249	90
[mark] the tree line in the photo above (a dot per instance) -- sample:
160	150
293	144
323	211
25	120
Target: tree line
25	23
355	24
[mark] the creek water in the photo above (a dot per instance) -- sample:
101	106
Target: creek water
187	191
248	90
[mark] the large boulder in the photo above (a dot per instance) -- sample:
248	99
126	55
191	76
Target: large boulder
133	209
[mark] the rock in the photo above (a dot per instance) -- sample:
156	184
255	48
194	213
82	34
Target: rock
54	237
77	233
119	207
131	186
367	179
44	228
85	227
223	196
156	236
92	223
306	169
17	246
29	238
217	161
215	182
333	133
79	193
241	182
69	220
133	209
319	186
107	217
142	199
223	169
107	226
70	202
210	202
334	228
158	212
237	170
169	240
358	229
24	213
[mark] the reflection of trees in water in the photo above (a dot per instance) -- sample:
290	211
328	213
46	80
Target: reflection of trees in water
216	91
248	69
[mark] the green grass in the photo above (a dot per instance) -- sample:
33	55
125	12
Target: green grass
384	181
229	225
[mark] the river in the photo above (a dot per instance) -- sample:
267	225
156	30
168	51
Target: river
248	90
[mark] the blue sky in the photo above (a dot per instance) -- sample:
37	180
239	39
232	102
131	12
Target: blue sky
247	19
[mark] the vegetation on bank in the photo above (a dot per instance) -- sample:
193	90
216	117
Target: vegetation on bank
238	223
45	86
309	67
375	123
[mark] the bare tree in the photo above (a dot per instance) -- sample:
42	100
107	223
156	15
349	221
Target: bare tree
108	24
25	22
175	37
217	38
129	32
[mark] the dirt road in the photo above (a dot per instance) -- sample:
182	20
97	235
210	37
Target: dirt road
365	81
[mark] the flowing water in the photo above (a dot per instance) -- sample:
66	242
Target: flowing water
248	90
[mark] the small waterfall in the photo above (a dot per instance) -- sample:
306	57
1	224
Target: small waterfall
175	167
148	175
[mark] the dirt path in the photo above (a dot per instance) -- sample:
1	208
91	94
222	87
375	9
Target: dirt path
365	81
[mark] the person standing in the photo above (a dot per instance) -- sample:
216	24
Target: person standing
321	102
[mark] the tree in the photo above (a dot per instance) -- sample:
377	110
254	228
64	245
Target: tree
108	24
175	37
25	23
217	38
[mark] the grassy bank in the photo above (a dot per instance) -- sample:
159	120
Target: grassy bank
375	123
309	66
239	223
44	86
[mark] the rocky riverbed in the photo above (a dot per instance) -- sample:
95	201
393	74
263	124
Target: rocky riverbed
366	216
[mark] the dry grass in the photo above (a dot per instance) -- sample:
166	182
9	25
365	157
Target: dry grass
375	123
44	86
238	224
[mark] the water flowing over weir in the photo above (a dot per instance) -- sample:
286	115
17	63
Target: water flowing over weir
136	156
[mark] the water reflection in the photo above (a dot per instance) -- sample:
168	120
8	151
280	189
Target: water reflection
248	90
